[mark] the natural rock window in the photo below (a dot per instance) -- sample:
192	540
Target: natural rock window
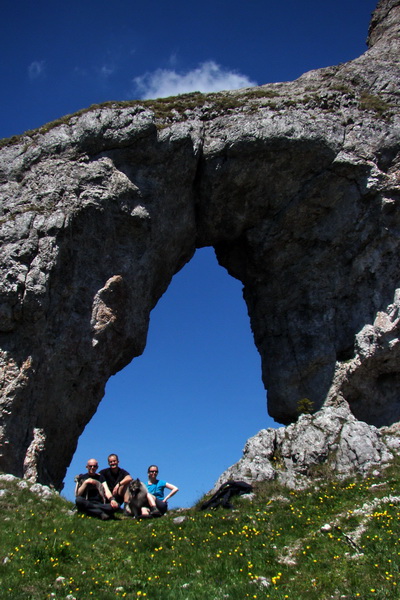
296	186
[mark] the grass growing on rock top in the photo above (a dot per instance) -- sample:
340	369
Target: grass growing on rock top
179	108
334	540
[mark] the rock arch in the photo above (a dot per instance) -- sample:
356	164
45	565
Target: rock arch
295	185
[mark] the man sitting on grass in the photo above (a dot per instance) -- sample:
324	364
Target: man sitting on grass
117	479
92	494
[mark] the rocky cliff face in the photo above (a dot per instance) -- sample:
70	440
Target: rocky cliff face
331	441
295	185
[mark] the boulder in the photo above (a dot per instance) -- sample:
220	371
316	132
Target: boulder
329	443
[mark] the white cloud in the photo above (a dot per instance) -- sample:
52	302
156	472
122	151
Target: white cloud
207	77
106	71
36	69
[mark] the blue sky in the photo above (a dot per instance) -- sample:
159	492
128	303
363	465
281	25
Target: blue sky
195	396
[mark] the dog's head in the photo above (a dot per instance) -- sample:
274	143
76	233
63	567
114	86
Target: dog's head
134	486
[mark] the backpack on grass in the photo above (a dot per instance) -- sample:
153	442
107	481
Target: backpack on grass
225	493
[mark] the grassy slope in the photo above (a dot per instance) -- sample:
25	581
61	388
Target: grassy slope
270	546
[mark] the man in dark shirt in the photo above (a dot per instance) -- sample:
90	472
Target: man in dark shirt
117	479
92	494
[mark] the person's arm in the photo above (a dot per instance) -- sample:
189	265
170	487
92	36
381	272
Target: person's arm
81	488
119	487
173	491
109	495
126	480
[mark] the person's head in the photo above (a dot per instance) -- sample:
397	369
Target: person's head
152	471
113	461
92	465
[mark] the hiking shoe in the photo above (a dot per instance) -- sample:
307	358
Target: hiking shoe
154	512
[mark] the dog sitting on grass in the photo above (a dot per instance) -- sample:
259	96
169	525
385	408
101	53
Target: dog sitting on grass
136	498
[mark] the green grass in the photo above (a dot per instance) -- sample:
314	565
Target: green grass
374	103
271	546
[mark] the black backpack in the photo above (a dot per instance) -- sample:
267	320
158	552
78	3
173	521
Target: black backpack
225	493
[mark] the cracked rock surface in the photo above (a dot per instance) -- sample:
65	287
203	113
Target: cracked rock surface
330	441
296	185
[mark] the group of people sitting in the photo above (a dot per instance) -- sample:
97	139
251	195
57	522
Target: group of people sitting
102	494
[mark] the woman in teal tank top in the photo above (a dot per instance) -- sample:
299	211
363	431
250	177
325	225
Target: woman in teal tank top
156	487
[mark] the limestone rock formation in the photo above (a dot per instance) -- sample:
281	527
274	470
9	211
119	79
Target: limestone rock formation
332	441
295	185
374	370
